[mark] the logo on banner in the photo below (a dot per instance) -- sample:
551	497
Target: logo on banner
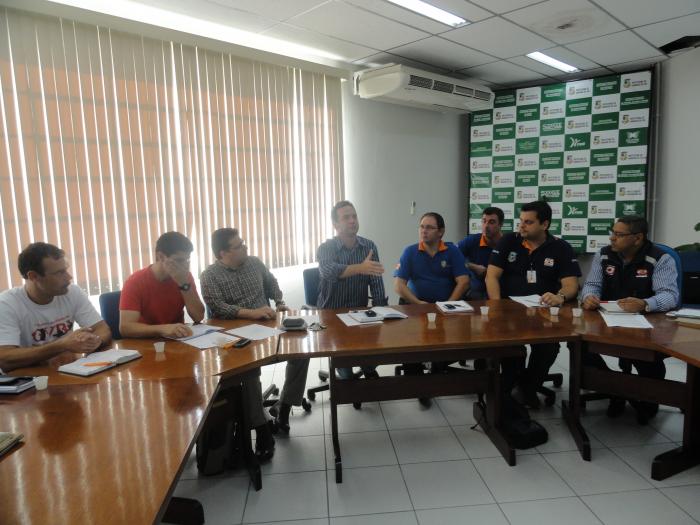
576	143
512	256
610	270
629	208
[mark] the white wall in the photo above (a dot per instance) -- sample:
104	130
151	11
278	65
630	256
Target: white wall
395	155
678	177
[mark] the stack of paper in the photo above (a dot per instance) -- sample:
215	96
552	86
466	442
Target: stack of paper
99	361
361	316
15	385
528	300
454	307
691	313
611	307
349	321
254	332
625	320
386	312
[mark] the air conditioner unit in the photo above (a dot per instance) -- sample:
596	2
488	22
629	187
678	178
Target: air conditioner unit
400	84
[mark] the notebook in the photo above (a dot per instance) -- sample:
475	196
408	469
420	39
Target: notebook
99	361
15	385
8	440
386	312
454	307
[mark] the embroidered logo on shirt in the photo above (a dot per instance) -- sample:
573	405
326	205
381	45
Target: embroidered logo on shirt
610	270
443	264
512	256
642	272
549	261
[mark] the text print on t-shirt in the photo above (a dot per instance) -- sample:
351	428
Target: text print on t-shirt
52	330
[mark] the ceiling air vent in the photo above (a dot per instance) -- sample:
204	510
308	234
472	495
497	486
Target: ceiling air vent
464	91
423	82
482	95
445	87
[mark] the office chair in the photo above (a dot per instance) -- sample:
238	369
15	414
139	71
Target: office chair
626	366
690	263
109	309
312	278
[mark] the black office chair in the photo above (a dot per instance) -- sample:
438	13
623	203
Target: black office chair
690	263
109	309
312	278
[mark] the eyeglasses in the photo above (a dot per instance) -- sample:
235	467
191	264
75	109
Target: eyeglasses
239	246
428	227
617	235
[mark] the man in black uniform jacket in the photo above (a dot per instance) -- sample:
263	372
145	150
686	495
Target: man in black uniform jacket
528	262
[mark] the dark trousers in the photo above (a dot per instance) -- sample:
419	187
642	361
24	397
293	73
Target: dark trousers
531	376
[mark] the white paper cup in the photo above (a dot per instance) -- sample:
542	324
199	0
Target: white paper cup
554	310
431	317
41	382
484	310
159	346
576	312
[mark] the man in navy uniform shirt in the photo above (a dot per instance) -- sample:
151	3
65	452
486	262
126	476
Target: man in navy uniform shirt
528	262
477	248
641	278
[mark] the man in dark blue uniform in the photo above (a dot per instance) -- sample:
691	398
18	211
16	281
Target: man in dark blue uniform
529	262
477	248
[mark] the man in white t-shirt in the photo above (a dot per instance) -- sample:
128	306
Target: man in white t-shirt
36	320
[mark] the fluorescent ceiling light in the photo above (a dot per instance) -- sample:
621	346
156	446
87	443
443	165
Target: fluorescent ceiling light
562	66
425	9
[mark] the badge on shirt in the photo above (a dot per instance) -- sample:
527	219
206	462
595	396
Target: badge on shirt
531	276
549	262
610	270
443	264
642	272
512	256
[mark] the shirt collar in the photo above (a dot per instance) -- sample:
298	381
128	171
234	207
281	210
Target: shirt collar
483	242
441	247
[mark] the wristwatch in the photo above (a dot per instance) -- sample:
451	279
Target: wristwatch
647	307
184	287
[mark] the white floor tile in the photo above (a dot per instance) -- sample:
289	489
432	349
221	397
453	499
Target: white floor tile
445	484
645	507
478	445
457	411
545	413
223	499
604	473
297	496
669	422
307	423
687	498
366	419
532	478
410	414
571	511
621	431
479	514
363	449
320	521
369	490
393	518
640	459
426	444
297	454
560	439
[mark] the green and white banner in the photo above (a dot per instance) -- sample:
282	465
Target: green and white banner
581	146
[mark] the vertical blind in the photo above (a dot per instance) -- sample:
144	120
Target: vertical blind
110	139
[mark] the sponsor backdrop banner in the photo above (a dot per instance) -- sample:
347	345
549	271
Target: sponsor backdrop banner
581	146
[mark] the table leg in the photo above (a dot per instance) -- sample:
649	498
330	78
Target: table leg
246	443
334	425
687	455
184	511
572	411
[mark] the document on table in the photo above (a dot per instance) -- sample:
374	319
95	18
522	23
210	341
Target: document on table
454	307
349	321
611	307
197	331
625	320
528	300
254	332
692	313
210	340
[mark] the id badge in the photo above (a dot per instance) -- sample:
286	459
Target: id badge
531	276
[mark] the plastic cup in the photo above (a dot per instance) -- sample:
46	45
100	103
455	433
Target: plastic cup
554	310
159	346
576	312
484	310
431	317
41	382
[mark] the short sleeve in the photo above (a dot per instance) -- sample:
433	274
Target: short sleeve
569	266
131	296
498	255
85	313
9	326
404	268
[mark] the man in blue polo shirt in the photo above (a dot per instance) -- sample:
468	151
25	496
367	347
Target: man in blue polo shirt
477	248
430	271
528	262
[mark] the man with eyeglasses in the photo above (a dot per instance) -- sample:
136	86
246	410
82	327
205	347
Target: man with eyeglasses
240	286
532	261
153	298
641	278
430	271
477	249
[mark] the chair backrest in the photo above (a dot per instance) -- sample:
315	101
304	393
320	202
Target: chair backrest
679	268
690	261
109	308
312	278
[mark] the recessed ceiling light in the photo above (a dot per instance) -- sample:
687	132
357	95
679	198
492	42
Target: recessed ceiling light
425	9
562	66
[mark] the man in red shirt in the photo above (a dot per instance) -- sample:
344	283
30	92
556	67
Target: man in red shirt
153	298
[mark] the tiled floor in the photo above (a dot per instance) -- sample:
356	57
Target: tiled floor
405	465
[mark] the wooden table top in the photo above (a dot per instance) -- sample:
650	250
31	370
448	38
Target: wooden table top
508	323
98	453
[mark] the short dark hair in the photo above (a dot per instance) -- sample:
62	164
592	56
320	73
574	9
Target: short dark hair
173	242
438	218
493	210
32	257
636	224
541	208
338	205
220	239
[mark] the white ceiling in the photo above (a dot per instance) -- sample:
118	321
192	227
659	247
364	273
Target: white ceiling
601	36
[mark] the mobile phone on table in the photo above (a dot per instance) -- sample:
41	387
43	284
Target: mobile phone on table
241	343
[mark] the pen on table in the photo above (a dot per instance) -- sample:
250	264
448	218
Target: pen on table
228	345
98	363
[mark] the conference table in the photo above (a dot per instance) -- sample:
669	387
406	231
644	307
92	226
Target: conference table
109	448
